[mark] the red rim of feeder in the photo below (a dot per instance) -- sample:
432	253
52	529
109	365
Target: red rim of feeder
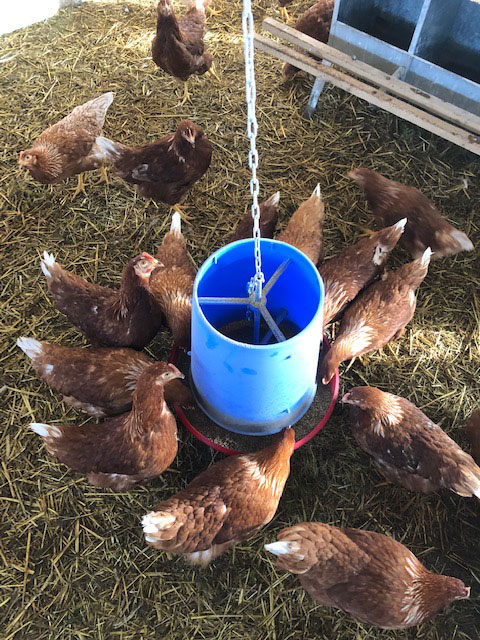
334	385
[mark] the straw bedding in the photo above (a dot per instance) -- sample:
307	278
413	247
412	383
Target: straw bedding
74	563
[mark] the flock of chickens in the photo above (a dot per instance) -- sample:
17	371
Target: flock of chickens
366	574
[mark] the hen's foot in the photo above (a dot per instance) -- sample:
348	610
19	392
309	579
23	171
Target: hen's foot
187	96
80	187
104	175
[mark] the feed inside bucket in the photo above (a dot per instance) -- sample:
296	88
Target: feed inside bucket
256	388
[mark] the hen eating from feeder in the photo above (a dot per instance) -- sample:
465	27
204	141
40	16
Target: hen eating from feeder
378	315
370	576
407	447
426	227
171	284
305	228
127	449
128	317
346	274
99	381
226	504
267	222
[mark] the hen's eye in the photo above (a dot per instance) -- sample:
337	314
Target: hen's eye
143	264
28	157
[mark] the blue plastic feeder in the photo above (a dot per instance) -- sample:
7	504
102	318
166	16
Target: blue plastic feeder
247	388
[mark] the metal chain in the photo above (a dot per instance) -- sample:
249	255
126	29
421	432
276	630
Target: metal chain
251	94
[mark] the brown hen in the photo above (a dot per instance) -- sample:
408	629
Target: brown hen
130	448
227	503
473	434
166	169
426	227
128	317
69	147
315	22
98	381
371	577
268	221
171	284
178	47
346	274
407	447
305	228
377	315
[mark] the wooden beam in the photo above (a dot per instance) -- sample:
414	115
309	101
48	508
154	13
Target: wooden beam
408	92
371	94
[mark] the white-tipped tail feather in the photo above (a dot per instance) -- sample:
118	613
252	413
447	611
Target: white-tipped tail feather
282	547
30	346
317	192
462	240
176	223
427	254
108	97
275	199
401	224
108	148
45	430
154	522
47	262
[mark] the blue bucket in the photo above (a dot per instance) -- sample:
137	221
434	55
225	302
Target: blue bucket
247	388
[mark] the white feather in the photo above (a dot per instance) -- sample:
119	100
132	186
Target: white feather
176	223
30	346
47	261
401	224
425	259
462	240
317	192
157	521
45	430
275	199
106	146
282	547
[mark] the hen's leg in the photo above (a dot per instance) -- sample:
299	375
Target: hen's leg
284	14
212	72
187	97
104	174
80	186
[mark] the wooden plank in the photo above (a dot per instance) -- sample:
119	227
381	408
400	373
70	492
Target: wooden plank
372	94
431	103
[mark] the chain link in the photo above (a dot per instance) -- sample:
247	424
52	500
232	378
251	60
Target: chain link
252	126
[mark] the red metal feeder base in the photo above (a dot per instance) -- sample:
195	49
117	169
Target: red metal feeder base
228	442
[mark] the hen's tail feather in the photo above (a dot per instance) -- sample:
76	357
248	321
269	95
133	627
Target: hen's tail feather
111	150
47	263
463	240
470	482
45	430
427	254
273	200
33	348
158	526
176	226
284	547
400	224
317	192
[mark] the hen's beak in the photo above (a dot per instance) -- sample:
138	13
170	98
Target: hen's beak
190	137
175	371
345	399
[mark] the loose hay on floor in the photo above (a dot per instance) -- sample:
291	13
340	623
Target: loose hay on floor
74	564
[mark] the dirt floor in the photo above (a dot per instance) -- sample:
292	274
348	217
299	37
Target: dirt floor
74	562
